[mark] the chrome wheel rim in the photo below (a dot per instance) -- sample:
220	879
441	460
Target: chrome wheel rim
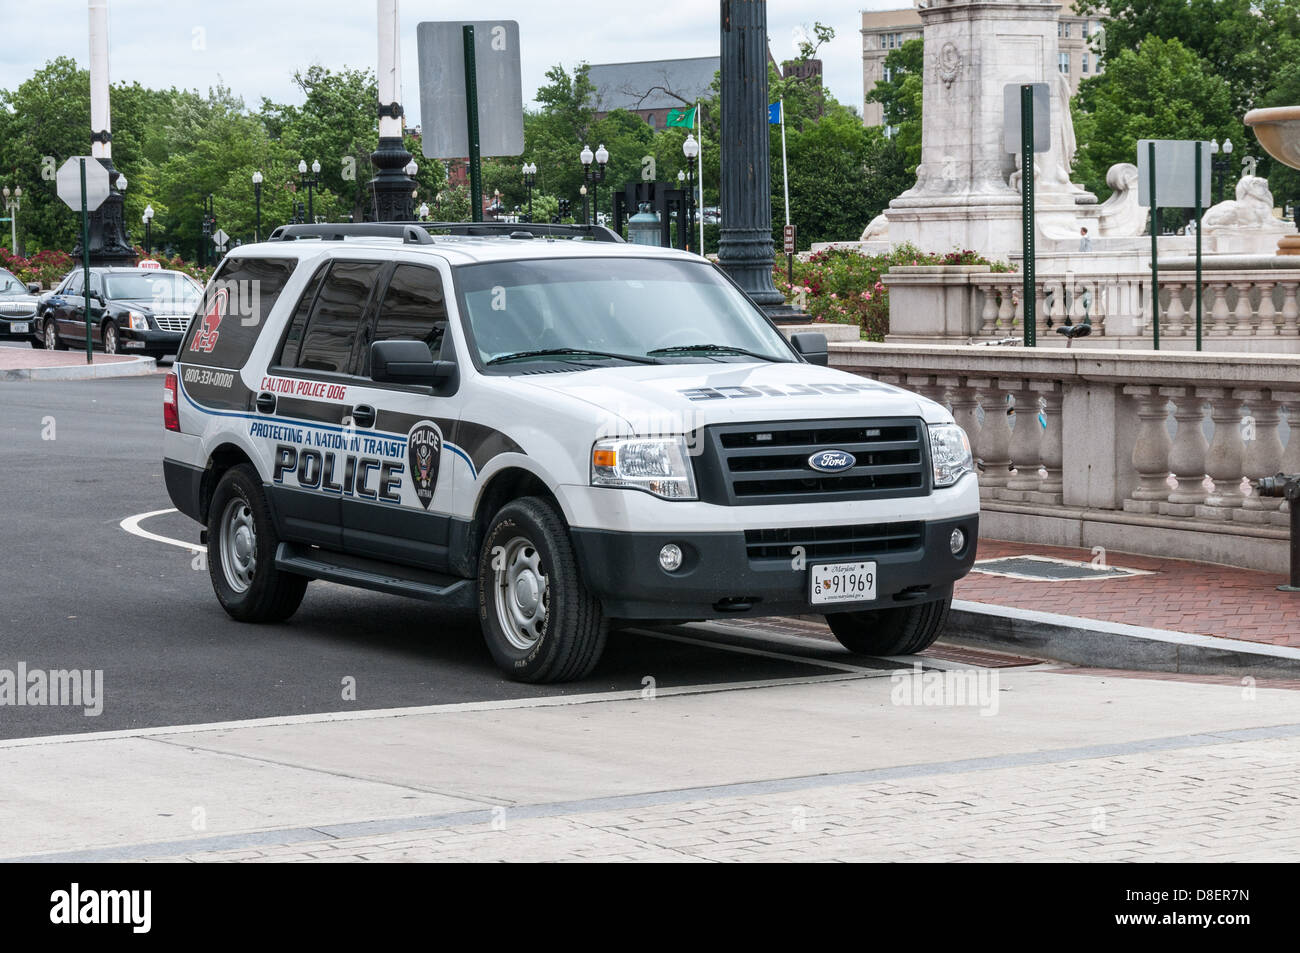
238	538
523	594
50	338
110	340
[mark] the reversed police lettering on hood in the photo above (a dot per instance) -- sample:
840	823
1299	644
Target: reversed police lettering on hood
423	452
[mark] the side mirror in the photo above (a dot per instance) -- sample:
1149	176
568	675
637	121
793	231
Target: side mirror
33	287
408	362
812	345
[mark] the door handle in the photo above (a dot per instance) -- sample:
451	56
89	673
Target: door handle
363	415
266	403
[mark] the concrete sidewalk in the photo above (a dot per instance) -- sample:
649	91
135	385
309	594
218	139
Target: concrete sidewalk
834	770
23	364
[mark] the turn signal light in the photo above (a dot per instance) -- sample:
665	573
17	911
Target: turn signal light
604	458
171	416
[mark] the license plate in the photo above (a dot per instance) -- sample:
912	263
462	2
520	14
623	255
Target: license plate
842	582
17	328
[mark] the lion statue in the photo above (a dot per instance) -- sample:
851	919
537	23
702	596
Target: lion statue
1253	208
877	230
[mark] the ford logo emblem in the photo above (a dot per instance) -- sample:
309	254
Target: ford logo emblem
831	461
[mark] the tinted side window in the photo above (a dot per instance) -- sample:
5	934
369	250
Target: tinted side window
340	305
288	356
74	285
413	309
234	309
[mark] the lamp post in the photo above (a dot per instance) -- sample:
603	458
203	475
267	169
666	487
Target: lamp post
310	182
530	179
12	204
592	177
691	150
1220	163
147	218
257	199
209	224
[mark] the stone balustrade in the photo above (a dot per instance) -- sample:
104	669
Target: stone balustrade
1243	309
1147	453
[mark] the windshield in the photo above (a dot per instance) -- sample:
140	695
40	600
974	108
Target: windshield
601	310
9	285
168	290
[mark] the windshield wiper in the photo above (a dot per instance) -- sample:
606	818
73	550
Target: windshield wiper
719	348
575	351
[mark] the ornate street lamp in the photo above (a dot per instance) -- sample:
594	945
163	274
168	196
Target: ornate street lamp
424	211
257	198
530	179
592	177
13	201
1220	164
311	182
147	218
691	150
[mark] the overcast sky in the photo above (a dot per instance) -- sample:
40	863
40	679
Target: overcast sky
254	47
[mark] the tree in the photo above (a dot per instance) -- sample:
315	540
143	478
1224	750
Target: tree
821	34
1161	90
900	98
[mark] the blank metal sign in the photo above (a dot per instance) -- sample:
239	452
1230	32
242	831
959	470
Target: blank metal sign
444	134
1175	173
1042	100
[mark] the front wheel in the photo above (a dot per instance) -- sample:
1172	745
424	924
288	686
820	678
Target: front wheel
110	338
904	630
539	621
241	552
50	334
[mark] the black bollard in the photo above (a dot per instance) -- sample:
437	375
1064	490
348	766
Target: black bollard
1289	488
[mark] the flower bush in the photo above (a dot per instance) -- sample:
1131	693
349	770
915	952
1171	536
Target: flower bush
45	267
842	286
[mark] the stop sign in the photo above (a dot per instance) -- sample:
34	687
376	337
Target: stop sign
68	183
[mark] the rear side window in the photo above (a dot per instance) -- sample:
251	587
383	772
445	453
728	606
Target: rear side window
342	302
413	309
234	309
288	356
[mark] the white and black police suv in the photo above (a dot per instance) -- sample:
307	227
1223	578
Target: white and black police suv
564	434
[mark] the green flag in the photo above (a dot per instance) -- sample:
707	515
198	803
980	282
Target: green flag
681	117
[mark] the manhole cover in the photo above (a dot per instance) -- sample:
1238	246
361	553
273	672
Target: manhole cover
1051	569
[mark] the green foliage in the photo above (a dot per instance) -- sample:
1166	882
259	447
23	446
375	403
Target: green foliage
839	286
1161	90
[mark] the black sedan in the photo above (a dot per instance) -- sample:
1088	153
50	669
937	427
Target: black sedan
17	308
132	310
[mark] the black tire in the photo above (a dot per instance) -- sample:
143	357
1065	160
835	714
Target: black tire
50	335
904	630
250	593
109	333
527	538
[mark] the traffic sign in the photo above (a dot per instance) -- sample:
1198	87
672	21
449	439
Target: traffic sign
1011	121
220	238
443	95
68	183
789	239
1176	171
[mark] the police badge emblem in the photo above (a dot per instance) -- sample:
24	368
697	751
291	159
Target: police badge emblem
423	452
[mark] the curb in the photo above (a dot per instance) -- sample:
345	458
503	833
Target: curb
136	367
1098	644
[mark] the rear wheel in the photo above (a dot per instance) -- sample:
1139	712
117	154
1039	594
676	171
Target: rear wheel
904	630
241	552
539	621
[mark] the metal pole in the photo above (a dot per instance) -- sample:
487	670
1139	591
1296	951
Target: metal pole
1155	231
257	231
1199	290
85	261
1027	296
471	119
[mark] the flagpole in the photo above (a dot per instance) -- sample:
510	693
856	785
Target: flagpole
785	169
699	121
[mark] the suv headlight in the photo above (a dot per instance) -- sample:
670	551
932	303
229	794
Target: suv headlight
137	321
658	465
950	453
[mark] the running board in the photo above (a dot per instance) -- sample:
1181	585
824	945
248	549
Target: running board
364	573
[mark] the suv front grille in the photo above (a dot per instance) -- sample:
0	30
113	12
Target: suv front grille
172	322
746	464
833	542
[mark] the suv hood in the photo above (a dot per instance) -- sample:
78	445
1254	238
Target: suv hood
677	398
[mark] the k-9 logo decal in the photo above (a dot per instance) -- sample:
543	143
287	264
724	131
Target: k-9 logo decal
423	452
205	338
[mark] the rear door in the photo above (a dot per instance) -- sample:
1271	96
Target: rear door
407	516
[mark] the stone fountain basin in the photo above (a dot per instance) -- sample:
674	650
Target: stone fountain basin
1278	131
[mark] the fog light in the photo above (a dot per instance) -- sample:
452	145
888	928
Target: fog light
670	557
957	541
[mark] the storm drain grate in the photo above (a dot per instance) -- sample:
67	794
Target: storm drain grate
1051	569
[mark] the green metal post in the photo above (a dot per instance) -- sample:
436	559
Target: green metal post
1155	231
471	118
1199	289
85	262
1027	293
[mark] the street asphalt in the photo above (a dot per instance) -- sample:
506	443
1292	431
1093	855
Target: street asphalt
79	592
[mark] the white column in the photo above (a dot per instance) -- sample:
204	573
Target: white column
1150	450
389	75
1187	455
1263	450
1224	459
99	115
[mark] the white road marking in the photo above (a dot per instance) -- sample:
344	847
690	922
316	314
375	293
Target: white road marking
132	525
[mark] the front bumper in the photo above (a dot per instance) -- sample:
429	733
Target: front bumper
10	326
150	342
718	579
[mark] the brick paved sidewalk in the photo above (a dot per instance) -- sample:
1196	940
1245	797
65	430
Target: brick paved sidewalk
12	358
1197	598
1229	802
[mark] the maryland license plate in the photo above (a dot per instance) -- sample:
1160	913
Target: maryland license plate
842	582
